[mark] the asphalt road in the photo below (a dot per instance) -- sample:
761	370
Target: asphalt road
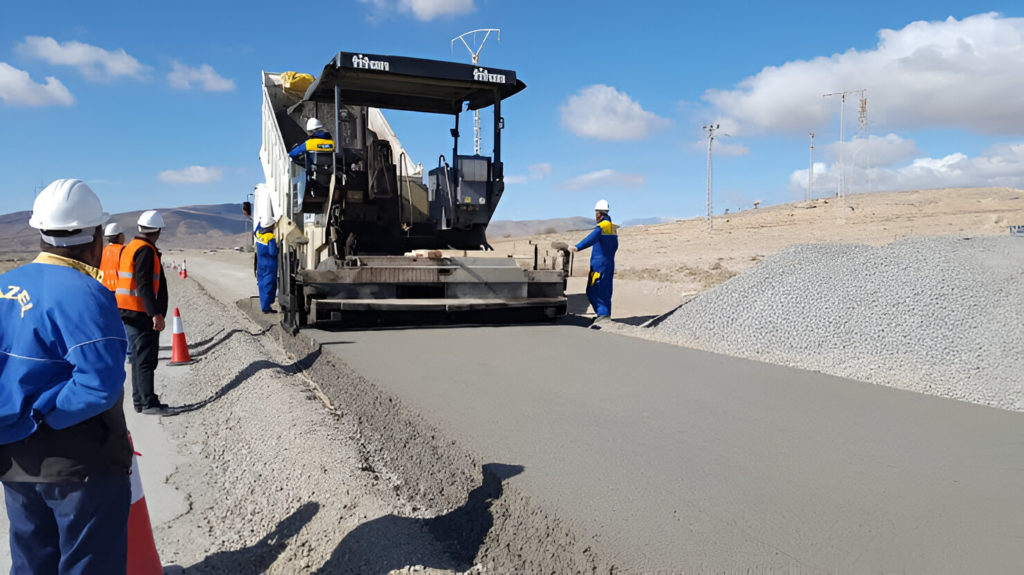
677	460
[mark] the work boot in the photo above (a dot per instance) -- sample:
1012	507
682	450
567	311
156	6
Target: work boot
599	321
157	409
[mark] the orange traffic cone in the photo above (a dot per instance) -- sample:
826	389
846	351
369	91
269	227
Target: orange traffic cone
184	270
143	558
179	347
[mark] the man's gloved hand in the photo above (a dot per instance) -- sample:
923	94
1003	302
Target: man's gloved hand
572	248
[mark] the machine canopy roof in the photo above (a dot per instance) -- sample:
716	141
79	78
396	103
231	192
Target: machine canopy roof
398	83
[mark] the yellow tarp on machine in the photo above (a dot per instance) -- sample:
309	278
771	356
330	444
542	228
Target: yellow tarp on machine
296	82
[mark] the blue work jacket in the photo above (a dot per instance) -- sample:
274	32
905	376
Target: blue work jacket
62	347
604	240
320	141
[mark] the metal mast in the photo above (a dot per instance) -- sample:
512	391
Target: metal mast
840	184
475	55
710	129
810	172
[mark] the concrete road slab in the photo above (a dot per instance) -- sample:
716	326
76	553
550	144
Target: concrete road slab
673	459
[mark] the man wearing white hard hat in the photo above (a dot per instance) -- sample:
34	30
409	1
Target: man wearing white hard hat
142	298
111	254
266	262
604	240
64	450
318	140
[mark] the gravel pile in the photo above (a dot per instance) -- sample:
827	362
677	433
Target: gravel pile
941	315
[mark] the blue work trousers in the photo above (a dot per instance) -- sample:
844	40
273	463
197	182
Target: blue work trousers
599	291
70	528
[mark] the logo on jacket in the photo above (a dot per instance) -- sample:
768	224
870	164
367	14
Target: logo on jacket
19	295
482	75
362	62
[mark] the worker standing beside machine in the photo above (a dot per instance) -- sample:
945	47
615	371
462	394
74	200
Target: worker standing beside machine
266	262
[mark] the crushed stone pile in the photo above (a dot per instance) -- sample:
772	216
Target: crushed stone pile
939	315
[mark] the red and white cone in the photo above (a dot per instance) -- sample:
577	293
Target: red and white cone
184	270
179	347
143	558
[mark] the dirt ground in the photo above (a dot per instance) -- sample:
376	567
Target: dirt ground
660	266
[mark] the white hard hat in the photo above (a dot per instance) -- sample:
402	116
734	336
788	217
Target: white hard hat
601	206
150	220
112	229
67	205
267	220
313	125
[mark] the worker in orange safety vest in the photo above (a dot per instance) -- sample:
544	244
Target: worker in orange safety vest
142	299
111	255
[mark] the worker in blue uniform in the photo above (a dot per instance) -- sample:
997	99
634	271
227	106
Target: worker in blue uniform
64	451
318	140
266	262
604	241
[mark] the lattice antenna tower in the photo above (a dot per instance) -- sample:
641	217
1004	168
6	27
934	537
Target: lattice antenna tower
474	53
862	117
862	131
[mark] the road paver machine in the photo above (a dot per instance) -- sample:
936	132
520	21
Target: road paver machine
362	237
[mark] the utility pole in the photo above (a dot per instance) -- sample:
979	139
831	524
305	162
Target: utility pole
810	172
475	55
840	183
710	129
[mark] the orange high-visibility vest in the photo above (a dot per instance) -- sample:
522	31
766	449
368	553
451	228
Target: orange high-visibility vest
109	264
127	291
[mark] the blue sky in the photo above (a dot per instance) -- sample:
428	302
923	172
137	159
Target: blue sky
158	105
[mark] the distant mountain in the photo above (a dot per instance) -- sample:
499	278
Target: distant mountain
224	226
210	226
509	228
646	221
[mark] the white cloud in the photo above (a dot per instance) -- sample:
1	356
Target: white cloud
604	113
18	89
536	172
540	171
92	62
604	178
182	77
1001	165
425	10
875	150
961	73
191	175
721	148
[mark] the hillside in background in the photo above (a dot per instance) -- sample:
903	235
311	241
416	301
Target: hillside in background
514	229
210	226
222	226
